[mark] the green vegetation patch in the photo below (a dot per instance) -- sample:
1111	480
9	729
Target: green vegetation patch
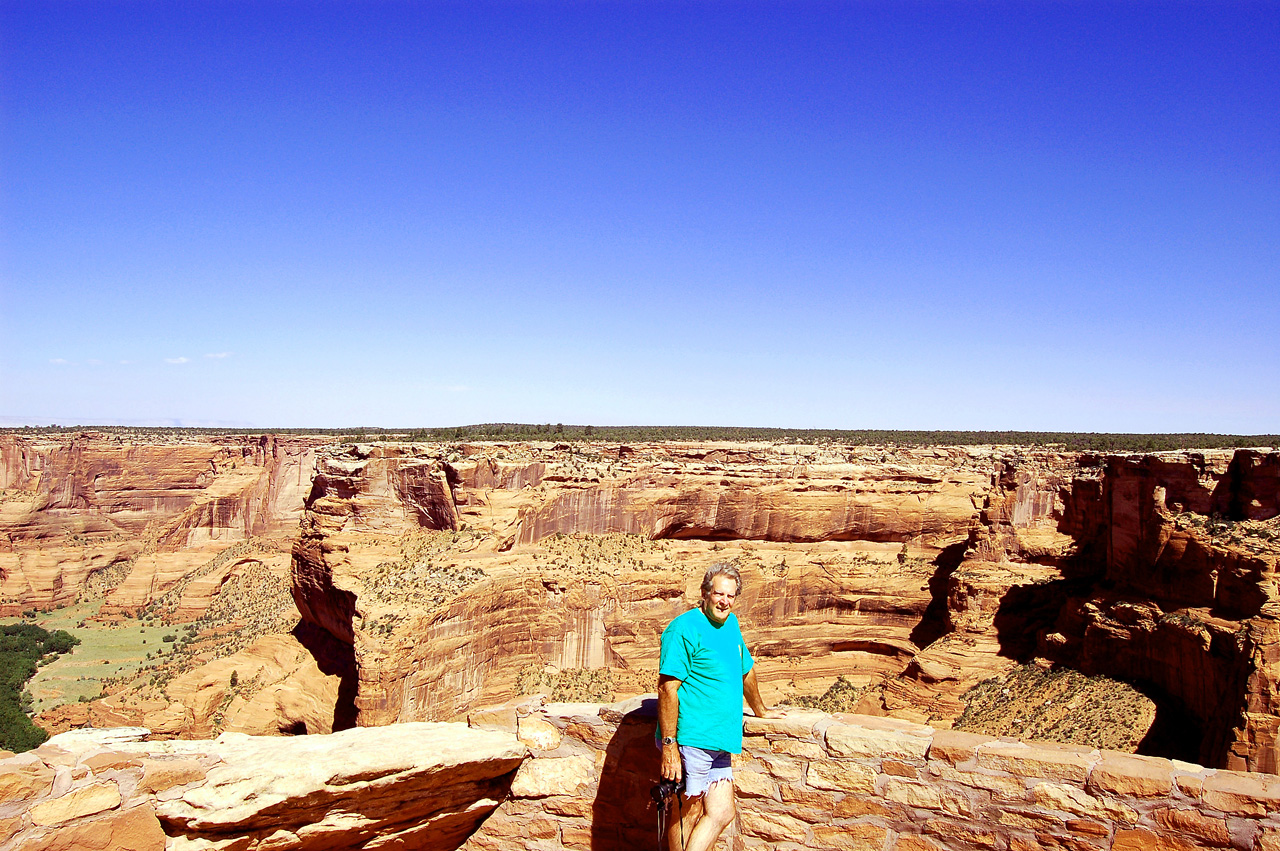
105	652
560	432
23	646
1086	442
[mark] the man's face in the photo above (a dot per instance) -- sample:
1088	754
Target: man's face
718	603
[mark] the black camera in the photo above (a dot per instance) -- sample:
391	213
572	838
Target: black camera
664	791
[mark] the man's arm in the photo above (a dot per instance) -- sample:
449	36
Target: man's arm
668	717
751	691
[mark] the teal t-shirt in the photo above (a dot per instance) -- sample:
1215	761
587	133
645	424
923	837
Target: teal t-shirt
710	662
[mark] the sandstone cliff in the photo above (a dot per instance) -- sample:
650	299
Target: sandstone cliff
586	554
1186	599
434	578
99	515
1100	563
411	785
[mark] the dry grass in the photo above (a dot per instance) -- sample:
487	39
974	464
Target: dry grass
1059	705
105	653
840	696
584	685
592	554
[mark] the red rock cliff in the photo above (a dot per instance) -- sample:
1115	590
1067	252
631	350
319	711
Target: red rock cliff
1186	600
92	505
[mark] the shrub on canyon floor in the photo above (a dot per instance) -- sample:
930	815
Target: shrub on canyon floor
584	685
22	648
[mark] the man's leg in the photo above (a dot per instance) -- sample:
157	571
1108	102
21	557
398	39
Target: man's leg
680	820
716	813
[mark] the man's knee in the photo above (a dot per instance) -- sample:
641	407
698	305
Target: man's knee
718	804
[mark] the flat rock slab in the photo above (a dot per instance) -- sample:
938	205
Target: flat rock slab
418	785
385	774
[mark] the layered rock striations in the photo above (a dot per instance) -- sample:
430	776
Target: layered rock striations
405	786
818	532
1015	540
101	515
1107	564
431	579
802	504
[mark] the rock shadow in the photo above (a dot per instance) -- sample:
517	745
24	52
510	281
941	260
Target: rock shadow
935	622
334	658
1026	612
624	816
1249	489
1176	733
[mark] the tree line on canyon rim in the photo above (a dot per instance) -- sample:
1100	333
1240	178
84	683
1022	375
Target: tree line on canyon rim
560	432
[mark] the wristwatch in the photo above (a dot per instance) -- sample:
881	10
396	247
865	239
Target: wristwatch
668	740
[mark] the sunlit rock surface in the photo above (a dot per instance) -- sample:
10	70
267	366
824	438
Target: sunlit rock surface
409	785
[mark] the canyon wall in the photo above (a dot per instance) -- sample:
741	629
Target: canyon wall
431	579
1185	599
1110	565
818	532
102	515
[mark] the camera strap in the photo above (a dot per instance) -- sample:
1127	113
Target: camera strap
664	812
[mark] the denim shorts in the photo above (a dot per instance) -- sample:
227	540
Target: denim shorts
703	767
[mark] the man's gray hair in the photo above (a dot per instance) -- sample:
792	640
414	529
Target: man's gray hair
721	568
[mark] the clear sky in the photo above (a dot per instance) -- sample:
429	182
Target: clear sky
983	215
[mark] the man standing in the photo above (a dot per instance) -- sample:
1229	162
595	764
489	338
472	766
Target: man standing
704	672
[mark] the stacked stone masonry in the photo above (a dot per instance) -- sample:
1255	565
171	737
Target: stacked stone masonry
816	781
578	776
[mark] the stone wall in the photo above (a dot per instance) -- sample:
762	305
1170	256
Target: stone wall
817	781
578	776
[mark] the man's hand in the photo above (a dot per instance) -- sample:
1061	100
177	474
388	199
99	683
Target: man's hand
671	767
751	691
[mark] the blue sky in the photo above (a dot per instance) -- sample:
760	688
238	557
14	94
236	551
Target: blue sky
1057	216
